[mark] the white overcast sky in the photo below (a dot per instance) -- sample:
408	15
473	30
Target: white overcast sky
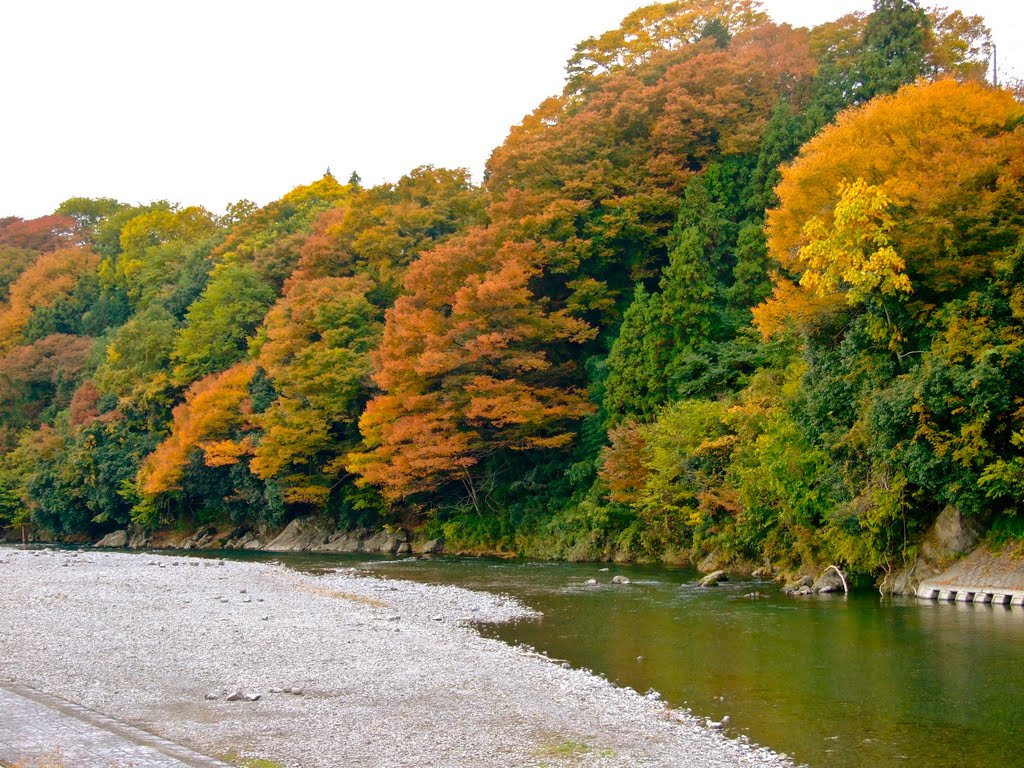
209	101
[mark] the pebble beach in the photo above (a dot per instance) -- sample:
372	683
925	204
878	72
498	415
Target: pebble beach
245	661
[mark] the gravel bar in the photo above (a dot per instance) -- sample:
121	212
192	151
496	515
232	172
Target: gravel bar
244	660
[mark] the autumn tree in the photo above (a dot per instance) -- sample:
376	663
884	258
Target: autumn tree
47	233
596	183
13	261
653	28
946	157
53	275
163	256
383	229
214	408
961	45
467	370
316	353
40	375
269	240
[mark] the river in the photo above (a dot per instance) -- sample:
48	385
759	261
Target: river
835	682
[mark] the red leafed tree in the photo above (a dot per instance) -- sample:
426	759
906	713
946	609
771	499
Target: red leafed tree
30	376
47	233
468	369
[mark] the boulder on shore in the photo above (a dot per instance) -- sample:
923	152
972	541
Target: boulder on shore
427	546
138	537
384	542
344	541
117	539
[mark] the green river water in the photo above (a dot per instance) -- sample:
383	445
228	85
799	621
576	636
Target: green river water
835	682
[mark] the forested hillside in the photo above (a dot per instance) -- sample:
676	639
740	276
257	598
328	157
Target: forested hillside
740	290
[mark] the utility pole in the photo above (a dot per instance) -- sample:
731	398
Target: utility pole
995	67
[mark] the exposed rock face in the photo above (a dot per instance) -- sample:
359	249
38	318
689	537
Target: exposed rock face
137	537
383	541
116	539
951	536
309	534
302	533
344	541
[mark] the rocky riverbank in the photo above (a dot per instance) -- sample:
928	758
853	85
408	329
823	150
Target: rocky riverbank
249	660
303	534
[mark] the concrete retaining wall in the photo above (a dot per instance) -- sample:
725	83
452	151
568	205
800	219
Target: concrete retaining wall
965	593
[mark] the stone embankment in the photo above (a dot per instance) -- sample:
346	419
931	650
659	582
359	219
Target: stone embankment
318	671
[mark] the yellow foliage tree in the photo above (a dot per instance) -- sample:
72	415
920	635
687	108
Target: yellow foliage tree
855	255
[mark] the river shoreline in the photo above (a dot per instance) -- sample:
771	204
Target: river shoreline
349	670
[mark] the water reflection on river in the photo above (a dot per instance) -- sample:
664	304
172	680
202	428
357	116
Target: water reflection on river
834	682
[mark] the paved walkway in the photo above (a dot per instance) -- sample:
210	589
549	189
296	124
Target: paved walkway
38	729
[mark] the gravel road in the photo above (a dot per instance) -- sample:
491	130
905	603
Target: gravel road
348	670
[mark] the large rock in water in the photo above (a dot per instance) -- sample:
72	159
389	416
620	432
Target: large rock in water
951	536
830	580
799	585
712	579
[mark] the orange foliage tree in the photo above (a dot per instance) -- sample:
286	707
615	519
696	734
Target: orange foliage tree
383	229
215	408
270	239
652	28
949	160
52	276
